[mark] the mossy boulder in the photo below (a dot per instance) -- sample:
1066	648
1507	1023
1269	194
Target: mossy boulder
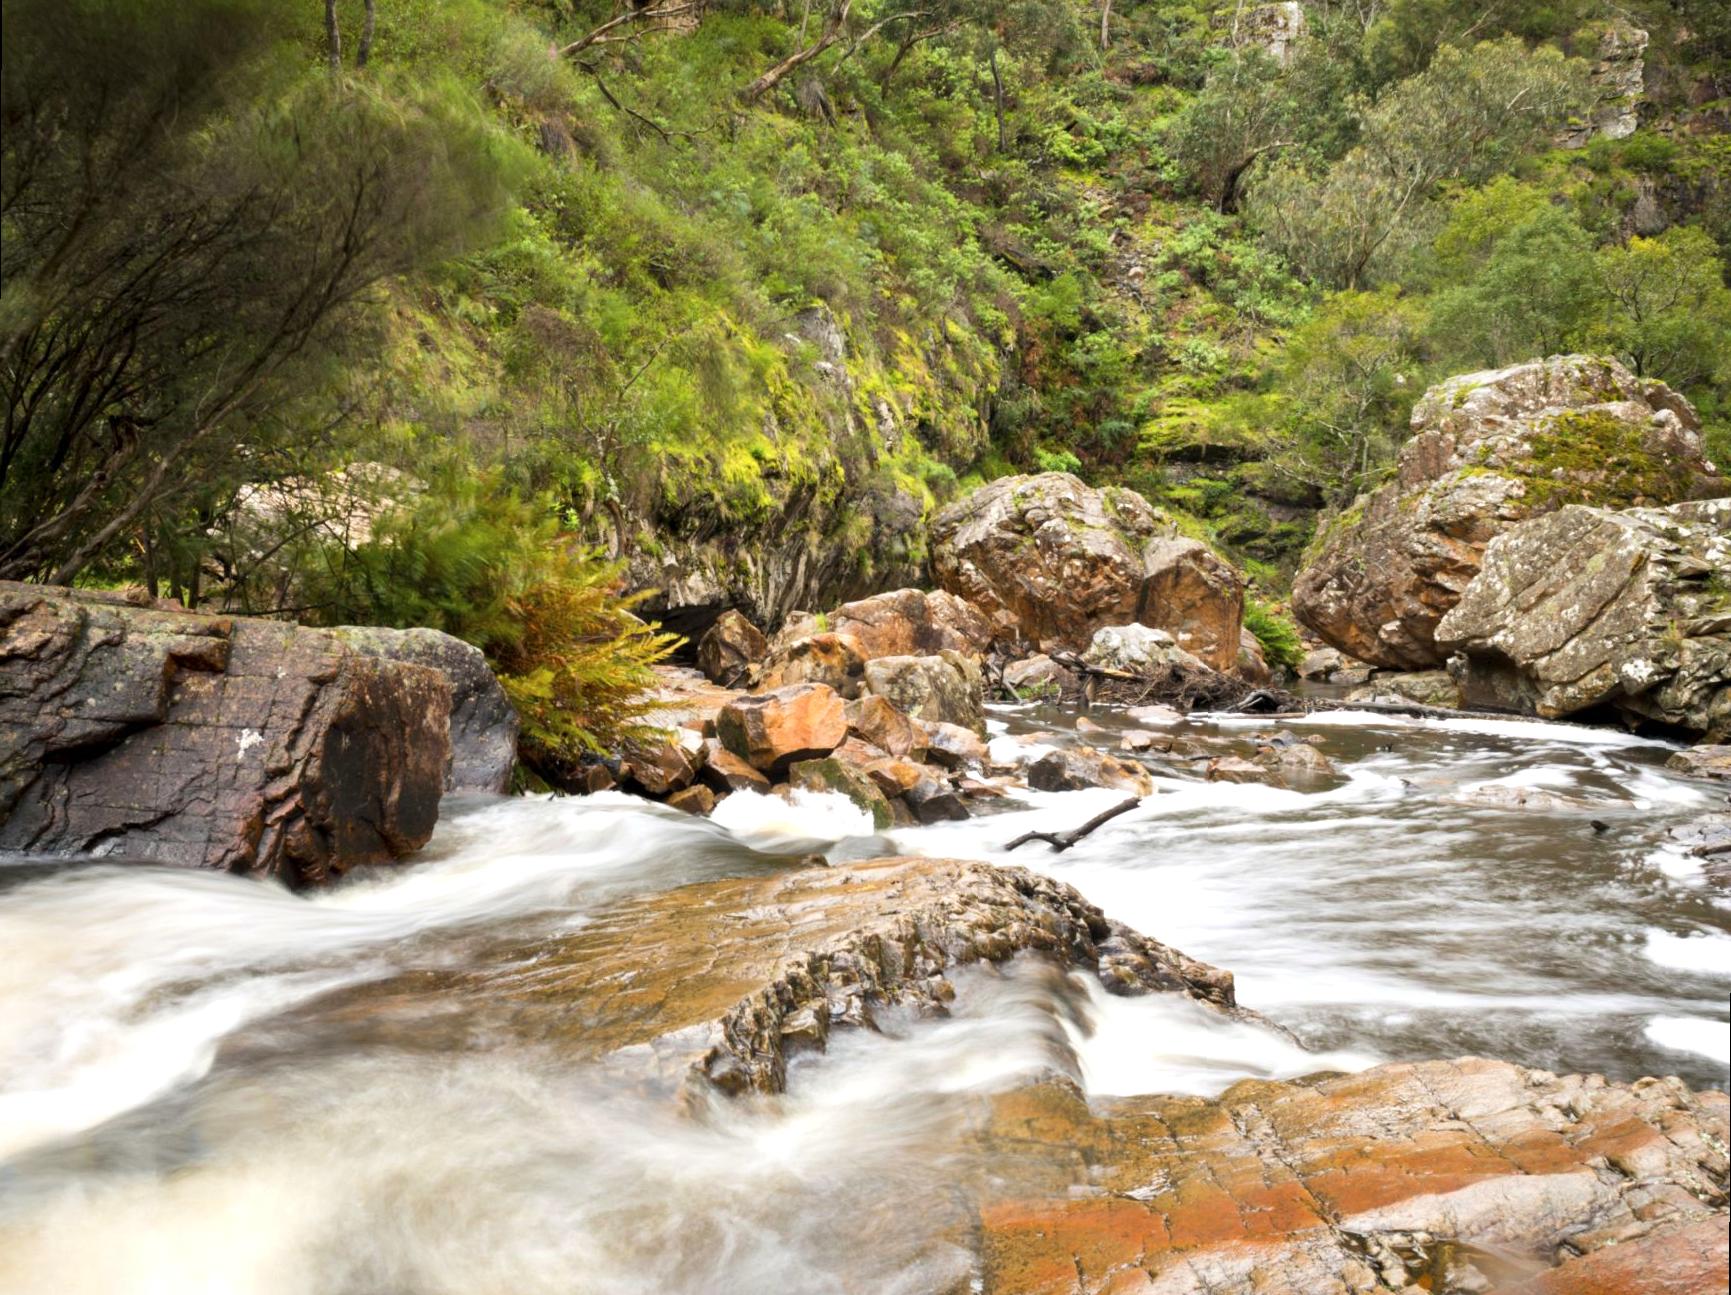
1490	450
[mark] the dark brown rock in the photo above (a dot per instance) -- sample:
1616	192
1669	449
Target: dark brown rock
212	742
731	650
724	771
693	800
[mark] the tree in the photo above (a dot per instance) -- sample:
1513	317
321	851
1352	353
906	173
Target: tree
1535	293
191	221
1668	309
1465	117
1348	379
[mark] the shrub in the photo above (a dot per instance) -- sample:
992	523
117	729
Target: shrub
1277	633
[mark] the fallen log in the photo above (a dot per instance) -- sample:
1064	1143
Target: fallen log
1064	840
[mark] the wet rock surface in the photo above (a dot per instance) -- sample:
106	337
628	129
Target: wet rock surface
1490	450
719	982
211	741
1588	607
1444	1176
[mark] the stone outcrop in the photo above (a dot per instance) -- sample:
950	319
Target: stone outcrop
722	981
484	724
1704	761
1619	79
944	689
731	650
1587	607
1489	450
772	731
211	741
1050	560
1445	1176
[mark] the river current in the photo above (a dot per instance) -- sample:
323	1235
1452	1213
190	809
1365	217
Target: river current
186	1107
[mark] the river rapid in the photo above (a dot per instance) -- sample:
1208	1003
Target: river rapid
186	1104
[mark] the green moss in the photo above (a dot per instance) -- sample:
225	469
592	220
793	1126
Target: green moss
1594	457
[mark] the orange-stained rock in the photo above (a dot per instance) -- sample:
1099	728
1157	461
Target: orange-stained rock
826	658
1456	1177
724	771
904	622
1074	768
879	721
1050	560
772	730
693	800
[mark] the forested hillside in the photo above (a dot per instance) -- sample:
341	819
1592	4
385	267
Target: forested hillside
393	311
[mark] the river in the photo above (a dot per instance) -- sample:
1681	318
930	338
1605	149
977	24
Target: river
187	1104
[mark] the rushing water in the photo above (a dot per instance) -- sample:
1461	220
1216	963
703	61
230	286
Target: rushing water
185	1108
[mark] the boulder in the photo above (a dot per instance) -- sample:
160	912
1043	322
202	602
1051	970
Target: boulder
1138	650
1586	608
731	650
943	689
1050	560
1232	768
1488	451
667	767
954	747
211	741
773	730
1252	666
484	724
877	720
1298	763
1077	767
836	775
1705	761
723	771
1421	687
1320	663
933	800
693	800
1039	677
904	622
830	659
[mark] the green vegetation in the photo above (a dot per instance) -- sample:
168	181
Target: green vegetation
556	276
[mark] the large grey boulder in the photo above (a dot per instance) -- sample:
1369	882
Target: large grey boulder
1590	607
484	724
217	742
1490	450
1050	560
943	689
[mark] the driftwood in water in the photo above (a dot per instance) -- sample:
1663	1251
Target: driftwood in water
1064	840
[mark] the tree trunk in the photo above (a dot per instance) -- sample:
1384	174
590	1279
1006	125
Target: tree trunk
333	36
1105	24
366	45
769	80
997	95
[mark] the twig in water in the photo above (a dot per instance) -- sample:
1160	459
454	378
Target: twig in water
1064	840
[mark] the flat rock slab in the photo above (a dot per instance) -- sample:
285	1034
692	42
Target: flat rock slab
721	981
1470	1175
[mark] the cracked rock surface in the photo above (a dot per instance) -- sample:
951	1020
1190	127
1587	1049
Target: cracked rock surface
1441	1176
210	741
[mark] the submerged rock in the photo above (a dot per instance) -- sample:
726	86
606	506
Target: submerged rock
1457	1176
1050	560
1421	687
211	741
1588	607
1489	450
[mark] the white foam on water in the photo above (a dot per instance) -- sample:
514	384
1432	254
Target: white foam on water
1694	1034
1170	1043
1709	953
805	819
1530	730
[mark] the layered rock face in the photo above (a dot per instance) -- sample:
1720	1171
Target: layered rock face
1587	607
1051	560
1445	1176
210	742
1490	450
